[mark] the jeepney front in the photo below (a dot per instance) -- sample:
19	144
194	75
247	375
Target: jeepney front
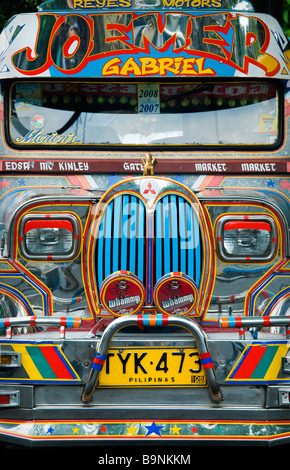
144	224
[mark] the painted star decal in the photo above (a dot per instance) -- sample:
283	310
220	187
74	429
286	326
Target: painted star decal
4	183
131	430
285	184
270	184
50	430
153	429
194	429
175	429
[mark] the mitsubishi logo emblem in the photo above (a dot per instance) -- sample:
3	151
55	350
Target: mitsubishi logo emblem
149	189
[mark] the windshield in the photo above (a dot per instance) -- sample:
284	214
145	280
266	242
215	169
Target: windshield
144	114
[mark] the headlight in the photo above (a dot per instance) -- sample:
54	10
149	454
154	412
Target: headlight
246	238
49	236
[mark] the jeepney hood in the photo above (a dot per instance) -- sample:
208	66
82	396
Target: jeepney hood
142	43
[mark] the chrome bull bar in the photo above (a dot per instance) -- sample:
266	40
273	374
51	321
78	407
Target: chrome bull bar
143	321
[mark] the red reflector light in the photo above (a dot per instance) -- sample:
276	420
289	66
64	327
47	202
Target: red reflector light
5	360
4	399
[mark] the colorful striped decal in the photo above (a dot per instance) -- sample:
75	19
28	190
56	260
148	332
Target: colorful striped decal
69	322
41	363
98	361
206	360
152	320
260	363
42	291
266	321
131	431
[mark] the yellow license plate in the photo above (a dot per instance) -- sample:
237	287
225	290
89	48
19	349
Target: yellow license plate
140	367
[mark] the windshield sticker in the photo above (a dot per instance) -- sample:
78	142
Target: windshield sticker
148	98
268	125
37	121
38	137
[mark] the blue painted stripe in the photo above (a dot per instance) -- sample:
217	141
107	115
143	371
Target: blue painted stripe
174	233
159	238
108	239
124	238
132	233
100	252
70	322
149	282
140	240
159	320
96	364
182	234
166	241
145	320
197	249
207	360
190	242
232	322
116	233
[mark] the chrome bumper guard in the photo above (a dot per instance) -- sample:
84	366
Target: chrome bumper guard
143	321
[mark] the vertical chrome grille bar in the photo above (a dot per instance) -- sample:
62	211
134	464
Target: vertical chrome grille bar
124	235
182	233
174	236
133	235
166	240
159	235
108	239
190	241
198	250
140	240
116	233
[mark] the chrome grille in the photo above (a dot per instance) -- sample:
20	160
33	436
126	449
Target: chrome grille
126	240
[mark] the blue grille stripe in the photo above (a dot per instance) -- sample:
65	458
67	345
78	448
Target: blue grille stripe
108	239
182	227
124	239
158	245
132	234
174	233
140	239
116	233
166	241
